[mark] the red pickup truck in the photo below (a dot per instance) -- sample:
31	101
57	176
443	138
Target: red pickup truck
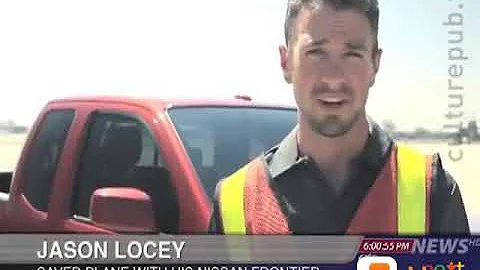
129	165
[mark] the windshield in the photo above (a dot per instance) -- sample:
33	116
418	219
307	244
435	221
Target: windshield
221	140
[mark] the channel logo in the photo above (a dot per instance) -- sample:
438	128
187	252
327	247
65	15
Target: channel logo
444	246
376	263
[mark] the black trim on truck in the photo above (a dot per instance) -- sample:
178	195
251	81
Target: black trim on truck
5	181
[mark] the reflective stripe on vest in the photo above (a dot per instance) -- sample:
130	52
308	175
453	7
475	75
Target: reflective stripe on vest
231	203
411	190
411	174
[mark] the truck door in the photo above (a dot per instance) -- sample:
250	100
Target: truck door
38	169
120	151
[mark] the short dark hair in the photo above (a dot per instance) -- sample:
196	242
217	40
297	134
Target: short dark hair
367	7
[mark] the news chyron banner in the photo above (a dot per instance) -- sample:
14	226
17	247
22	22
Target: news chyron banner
165	252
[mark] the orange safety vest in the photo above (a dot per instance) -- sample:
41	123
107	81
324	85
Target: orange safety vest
398	203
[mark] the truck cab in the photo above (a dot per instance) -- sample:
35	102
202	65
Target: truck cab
130	165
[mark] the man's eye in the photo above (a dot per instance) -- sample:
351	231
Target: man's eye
315	52
354	54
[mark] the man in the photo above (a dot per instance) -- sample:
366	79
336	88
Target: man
337	172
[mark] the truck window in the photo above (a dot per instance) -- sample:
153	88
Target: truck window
219	140
41	160
120	151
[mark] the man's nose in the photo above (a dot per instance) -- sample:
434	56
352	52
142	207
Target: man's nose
333	77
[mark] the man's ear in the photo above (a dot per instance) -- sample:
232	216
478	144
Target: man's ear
284	63
376	65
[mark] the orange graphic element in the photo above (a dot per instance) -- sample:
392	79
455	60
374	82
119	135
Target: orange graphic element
379	266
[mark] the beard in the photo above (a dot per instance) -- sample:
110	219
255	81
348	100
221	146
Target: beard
332	126
326	124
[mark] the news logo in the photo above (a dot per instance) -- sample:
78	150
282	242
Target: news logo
444	266
429	246
376	263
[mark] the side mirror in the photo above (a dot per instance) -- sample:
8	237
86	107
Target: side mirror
123	210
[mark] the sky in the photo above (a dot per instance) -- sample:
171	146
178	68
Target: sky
56	48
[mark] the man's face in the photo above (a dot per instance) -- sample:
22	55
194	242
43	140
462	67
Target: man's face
329	62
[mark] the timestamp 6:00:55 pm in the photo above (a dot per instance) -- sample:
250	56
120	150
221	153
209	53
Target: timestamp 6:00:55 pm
386	246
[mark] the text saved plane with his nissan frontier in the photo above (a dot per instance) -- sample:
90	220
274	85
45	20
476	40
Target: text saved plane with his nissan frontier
129	165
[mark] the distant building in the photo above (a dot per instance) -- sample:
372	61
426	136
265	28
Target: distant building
10	127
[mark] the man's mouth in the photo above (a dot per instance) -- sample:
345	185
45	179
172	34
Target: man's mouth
332	101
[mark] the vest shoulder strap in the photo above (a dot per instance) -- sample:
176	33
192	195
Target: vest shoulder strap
231	202
412	190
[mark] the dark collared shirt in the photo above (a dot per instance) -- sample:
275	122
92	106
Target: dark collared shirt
313	207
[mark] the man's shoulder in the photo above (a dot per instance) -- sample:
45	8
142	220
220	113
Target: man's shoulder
411	150
442	181
232	176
